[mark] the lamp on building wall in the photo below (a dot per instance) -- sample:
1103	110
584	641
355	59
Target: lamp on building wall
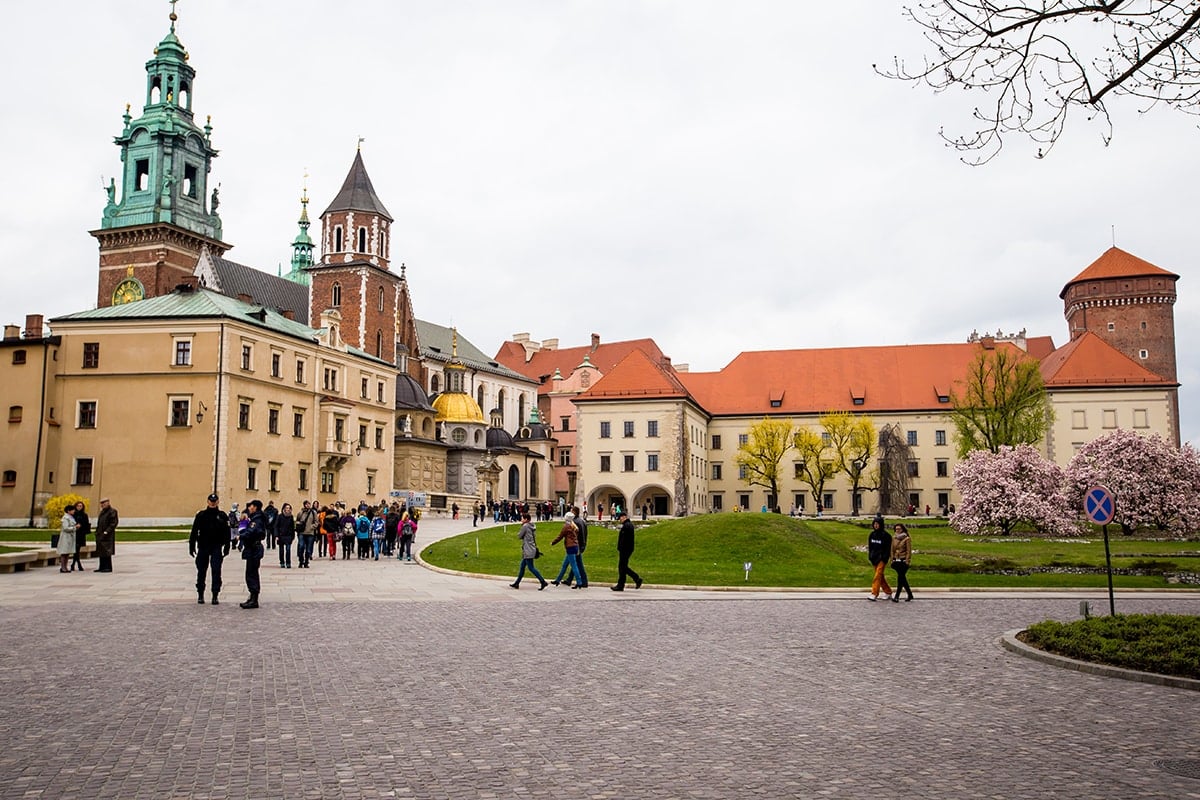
200	412
358	449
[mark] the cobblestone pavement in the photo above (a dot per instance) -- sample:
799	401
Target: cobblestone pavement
654	694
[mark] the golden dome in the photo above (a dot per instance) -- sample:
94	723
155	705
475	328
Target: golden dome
457	407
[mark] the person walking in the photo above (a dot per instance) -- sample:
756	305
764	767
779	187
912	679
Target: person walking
581	535
251	543
569	536
285	534
82	527
901	558
331	522
362	533
408	532
529	551
66	539
624	551
208	544
378	534
106	535
307	526
879	551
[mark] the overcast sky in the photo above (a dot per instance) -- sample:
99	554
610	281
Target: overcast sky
718	176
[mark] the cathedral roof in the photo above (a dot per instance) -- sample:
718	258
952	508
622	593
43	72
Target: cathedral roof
357	193
234	279
457	407
410	395
1090	361
437	344
1116	263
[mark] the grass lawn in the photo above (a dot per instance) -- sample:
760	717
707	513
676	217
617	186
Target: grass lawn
1167	644
710	550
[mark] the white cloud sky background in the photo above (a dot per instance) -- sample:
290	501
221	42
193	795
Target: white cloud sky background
720	177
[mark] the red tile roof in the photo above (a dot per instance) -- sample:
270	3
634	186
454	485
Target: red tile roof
543	363
1039	346
1116	263
637	377
1091	361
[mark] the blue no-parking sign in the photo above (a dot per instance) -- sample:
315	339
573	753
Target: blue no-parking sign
1099	505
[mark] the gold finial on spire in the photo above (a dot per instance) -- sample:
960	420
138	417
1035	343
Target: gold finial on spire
304	198
454	343
173	16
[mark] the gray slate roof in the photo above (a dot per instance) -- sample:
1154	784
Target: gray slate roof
437	343
357	193
262	287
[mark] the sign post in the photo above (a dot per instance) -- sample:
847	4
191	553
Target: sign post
1101	507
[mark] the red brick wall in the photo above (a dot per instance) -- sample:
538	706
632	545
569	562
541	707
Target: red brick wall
1140	312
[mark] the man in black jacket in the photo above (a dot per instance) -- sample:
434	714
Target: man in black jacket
879	550
209	544
624	551
252	549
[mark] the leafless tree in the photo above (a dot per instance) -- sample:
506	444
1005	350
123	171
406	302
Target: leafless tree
894	455
1038	60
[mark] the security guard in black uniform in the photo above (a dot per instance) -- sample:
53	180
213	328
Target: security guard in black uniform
251	544
209	544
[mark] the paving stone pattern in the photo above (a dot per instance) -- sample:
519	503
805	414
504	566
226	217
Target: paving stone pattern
671	698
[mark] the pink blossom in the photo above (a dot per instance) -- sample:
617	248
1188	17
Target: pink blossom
1013	486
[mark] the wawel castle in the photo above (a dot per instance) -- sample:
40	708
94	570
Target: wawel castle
195	373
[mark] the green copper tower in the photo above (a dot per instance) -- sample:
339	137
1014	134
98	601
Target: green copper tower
302	247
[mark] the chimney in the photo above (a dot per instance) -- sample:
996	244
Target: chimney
681	367
595	340
12	332
186	284
988	342
245	298
520	338
33	326
550	344
289	314
666	361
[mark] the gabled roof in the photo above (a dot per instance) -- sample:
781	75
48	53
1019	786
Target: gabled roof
233	279
544	362
895	378
637	377
1039	346
437	345
1091	361
1116	263
357	193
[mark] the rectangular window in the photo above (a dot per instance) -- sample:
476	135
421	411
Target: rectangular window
83	472
799	502
1079	419
827	501
247	356
244	416
87	414
939	438
15	413
943	502
943	469
330	379
716	502
251	477
303	486
378	438
274	480
652	428
273	420
744	502
716	441
327	484
298	423
339	429
566	423
606	463
180	412
652	462
742	472
141	174
716	472
912	438
379	391
914	470
183	352
564	456
276	365
605	430
1110	418
18	357
299	371
628	429
627	464
91	355
743	439
365	383
914	500
826	439
362	435
1140	418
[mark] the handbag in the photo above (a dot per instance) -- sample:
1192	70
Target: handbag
537	553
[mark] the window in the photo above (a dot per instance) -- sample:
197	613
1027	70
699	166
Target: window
912	438
83	472
1110	418
566	423
564	456
365	388
252	476
716	502
1112	326
827	501
247	356
362	240
16	412
939	438
433	384
914	470
327	484
299	371
605	430
330	383
943	469
303	485
180	412
744	502
18	357
1143	354
244	416
273	479
91	355
339	429
183	352
1079	419
362	435
943	502
716	472
716	441
652	462
628	428
826	439
338	238
381	298
627	464
799	501
379	437
10	478
1140	418
606	463
742	472
379	391
276	365
371	484
914	499
273	420
652	428
743	439
87	414
141	167
335	294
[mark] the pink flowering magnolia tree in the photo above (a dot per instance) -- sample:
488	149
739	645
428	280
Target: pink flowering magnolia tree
1155	484
1015	486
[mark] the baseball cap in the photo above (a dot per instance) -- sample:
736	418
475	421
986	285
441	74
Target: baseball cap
212	498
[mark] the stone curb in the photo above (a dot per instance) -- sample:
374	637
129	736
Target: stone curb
1011	643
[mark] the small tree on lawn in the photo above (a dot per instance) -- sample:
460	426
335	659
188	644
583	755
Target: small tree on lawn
1013	486
1154	483
761	455
815	462
853	440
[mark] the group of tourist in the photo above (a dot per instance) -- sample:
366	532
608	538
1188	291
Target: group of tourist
573	535
883	548
369	530
73	532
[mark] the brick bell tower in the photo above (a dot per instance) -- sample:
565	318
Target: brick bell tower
353	275
151	237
